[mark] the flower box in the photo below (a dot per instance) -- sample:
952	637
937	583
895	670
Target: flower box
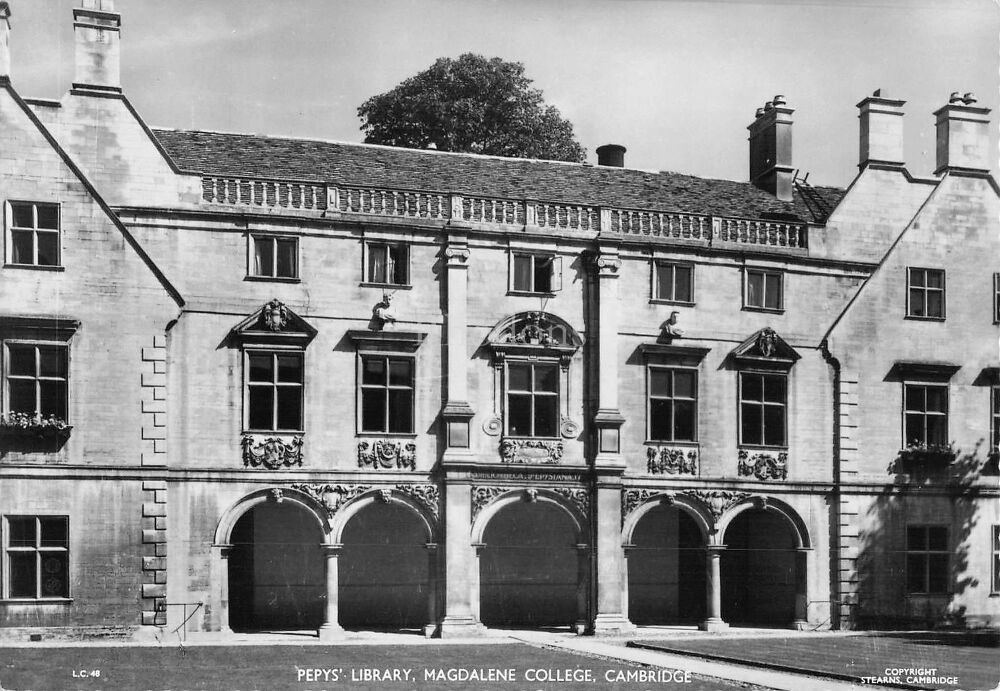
927	454
26	426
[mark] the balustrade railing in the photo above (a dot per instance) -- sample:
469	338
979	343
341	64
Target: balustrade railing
433	206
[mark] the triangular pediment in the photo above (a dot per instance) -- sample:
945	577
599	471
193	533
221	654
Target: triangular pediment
765	348
274	322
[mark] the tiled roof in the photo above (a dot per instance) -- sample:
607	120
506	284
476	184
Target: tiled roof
245	155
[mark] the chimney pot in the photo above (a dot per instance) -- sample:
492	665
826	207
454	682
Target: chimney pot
881	127
778	100
611	155
969	98
955	97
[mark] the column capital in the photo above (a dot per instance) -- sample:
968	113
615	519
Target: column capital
715	549
607	263
331	550
457	256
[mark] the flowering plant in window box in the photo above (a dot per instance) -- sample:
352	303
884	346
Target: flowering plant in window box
929	454
28	425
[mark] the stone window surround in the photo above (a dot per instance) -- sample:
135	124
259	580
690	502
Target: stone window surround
926	291
765	272
9	237
38	550
386	389
367	263
273	351
915	383
391	344
45	331
783	375
926	552
555	278
996	298
656	266
673	368
252	240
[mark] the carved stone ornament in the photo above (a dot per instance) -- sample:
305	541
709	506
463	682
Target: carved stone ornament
530	451
577	496
428	495
607	264
669	329
568	428
277	496
767	342
274	315
717	501
271	452
493	426
531	495
535	329
633	498
667	460
763	466
384	495
332	497
384	453
456	256
482	496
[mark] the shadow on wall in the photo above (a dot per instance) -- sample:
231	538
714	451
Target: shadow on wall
913	556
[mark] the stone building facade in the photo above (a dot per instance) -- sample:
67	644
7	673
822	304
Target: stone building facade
255	383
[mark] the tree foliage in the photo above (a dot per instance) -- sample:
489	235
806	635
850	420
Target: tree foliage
470	104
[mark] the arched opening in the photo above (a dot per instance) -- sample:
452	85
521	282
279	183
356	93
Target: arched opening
666	569
529	567
276	569
759	570
384	569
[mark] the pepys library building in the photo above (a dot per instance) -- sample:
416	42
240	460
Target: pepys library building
254	383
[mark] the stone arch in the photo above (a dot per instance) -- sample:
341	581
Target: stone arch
346	512
231	515
689	505
770	504
516	495
529	327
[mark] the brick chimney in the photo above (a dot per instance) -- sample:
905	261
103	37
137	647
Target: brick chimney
771	149
881	131
97	27
963	137
612	155
4	40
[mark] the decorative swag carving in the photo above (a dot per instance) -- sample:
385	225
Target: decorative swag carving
271	452
763	465
530	451
384	453
666	460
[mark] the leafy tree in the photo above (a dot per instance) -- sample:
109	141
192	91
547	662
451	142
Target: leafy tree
470	104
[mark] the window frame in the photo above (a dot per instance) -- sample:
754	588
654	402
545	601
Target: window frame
995	559
926	290
926	553
38	550
673	369
554	362
9	235
995	419
35	343
555	273
367	265
387	388
673	264
783	376
907	412
765	273
996	298
254	238
274	352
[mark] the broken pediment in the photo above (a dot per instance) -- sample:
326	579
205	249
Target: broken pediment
765	349
274	323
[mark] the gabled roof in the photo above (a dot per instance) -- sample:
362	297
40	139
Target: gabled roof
365	165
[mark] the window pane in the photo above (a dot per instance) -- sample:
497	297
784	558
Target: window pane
684	420
915	398
22	214
543	274
22	531
522	272
916	570
937	430
774	425
55	574
660	413
937	573
518	377
22	360
261	407
772	295
286	259
21	246
546	416
54	532
917	302
290	368
377	257
48	249
755	289
23	570
546	378
917	278
916	537
22	396
397	255
751	427
937	538
53	398
519	415
660	382
400	411
915	432
263	256
684	384
774	389
682	283
935	279
52	361
752	387
937	399
401	373
935	304
289	407
48	216
665	281
373	371
260	365
373	410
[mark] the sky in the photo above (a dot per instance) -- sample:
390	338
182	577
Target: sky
675	82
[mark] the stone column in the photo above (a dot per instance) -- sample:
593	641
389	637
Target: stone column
461	571
609	558
331	629
430	628
222	573
456	413
608	420
582	589
713	558
801	622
